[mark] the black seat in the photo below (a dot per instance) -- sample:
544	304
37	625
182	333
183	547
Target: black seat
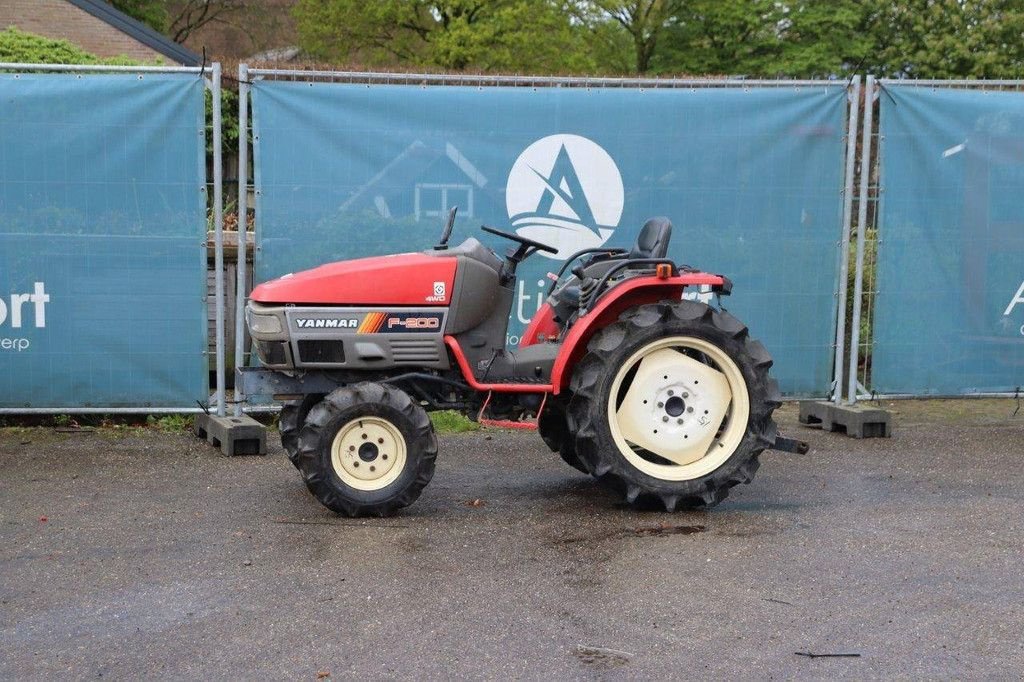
652	242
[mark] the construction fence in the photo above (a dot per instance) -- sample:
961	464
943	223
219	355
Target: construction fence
871	229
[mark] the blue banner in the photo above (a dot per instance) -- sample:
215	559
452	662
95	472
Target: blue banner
102	241
750	177
949	315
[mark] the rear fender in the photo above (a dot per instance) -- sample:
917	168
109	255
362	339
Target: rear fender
632	292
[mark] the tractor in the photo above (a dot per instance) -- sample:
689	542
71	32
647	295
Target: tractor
663	398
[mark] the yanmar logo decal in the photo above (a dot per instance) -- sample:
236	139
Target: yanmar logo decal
324	323
375	323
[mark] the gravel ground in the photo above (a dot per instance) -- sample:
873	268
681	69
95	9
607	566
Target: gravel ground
150	555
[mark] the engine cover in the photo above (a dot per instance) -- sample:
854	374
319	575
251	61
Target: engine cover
407	279
358	338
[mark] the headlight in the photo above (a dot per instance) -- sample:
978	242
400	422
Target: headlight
264	324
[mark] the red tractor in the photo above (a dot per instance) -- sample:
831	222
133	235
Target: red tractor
664	399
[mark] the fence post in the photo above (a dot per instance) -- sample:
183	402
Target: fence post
218	231
243	223
844	248
862	220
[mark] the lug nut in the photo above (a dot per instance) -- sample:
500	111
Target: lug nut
689	409
665	418
661	404
364	436
351	448
355	464
373	468
679	421
670	391
685	394
380	440
383	456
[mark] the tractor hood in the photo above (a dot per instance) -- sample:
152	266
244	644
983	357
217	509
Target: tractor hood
413	279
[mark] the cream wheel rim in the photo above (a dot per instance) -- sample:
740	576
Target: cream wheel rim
368	453
678	408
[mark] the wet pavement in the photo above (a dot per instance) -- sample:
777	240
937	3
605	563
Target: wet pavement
148	554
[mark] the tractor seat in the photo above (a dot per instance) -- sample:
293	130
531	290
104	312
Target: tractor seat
652	242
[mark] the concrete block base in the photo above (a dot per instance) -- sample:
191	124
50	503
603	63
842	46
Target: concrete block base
856	421
233	435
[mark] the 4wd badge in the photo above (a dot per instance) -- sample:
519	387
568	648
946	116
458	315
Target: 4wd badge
439	294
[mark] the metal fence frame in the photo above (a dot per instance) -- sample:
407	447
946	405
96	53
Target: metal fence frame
211	76
872	188
247	75
849	346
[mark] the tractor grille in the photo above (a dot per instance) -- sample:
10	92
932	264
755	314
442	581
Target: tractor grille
415	350
272	352
320	351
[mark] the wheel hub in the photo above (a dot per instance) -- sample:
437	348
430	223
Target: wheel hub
678	408
368	453
675	406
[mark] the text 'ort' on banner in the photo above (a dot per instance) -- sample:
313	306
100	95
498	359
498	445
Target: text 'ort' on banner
750	177
102	240
949	315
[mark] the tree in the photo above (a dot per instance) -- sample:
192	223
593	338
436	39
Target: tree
947	38
720	37
642	21
766	38
153	13
506	35
188	16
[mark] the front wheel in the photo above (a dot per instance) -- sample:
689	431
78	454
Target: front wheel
289	424
367	449
672	404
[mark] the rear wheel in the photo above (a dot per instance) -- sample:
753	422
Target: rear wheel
367	449
554	430
672	404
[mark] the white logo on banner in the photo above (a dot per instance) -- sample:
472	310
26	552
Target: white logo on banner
16	311
1018	299
565	191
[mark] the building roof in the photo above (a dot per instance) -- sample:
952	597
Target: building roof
139	31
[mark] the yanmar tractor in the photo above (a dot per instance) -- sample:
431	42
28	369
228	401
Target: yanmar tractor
664	399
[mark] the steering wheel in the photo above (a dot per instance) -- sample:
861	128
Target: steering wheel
446	233
522	240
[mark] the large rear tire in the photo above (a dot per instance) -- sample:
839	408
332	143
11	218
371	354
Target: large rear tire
554	431
645	423
367	449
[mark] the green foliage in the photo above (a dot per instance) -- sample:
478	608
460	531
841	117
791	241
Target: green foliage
503	35
27	48
170	423
948	38
449	421
756	38
229	121
153	13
